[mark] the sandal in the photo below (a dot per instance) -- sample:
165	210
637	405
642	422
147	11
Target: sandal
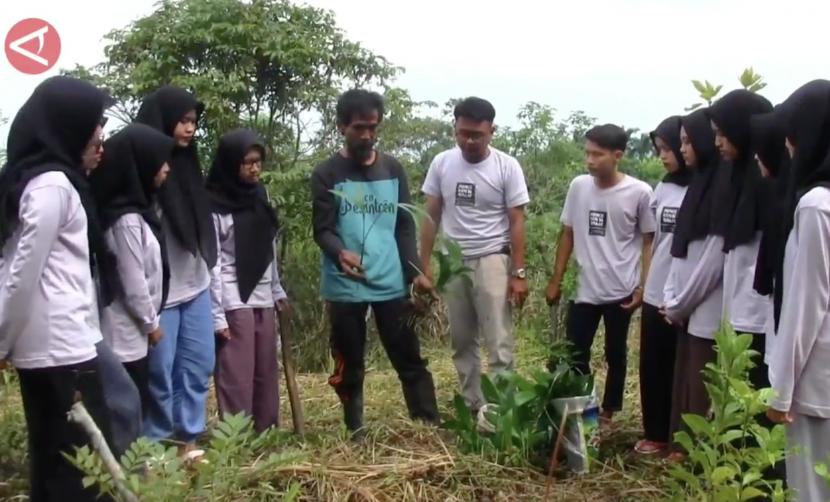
648	447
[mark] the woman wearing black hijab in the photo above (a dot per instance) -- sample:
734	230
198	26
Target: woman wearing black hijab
799	368
694	291
740	218
246	284
48	316
133	167
658	338
768	138
182	362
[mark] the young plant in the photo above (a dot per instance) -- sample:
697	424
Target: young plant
729	451
237	460
521	415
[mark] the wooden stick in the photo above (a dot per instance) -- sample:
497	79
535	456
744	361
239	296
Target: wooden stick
80	416
554	458
291	376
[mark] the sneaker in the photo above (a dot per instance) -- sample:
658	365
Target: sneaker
648	447
676	458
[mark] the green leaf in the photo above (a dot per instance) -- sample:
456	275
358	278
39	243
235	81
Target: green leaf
721	474
751	493
697	424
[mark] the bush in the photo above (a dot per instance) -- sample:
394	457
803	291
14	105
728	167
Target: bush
729	451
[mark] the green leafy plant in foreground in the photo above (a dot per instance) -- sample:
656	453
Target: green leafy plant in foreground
523	418
237	460
729	451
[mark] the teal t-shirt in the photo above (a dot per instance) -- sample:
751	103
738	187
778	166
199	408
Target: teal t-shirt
367	222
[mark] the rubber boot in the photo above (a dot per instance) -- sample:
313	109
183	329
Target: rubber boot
353	417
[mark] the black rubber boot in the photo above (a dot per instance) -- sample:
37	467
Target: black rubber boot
353	417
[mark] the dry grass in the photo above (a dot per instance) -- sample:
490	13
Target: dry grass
406	461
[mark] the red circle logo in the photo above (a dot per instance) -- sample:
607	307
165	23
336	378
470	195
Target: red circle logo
33	46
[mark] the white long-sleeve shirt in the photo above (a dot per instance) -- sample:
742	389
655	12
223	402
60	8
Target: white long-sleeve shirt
743	307
694	289
223	285
799	368
666	203
48	315
127	321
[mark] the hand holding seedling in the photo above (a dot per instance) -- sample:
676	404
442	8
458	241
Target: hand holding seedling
351	266
423	284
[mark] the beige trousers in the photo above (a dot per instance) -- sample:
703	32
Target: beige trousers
479	308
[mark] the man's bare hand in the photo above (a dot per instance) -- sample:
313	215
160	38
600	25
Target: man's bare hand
350	265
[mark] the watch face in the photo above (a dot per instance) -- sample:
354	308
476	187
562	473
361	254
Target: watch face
521	274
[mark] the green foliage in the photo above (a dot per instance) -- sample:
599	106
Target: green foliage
523	418
238	463
14	454
263	64
752	81
729	451
707	92
749	80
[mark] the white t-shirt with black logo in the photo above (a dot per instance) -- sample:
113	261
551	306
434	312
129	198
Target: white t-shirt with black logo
666	202
476	198
608	226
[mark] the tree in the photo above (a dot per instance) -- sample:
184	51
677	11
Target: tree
269	65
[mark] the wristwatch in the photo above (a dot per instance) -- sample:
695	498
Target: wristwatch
519	273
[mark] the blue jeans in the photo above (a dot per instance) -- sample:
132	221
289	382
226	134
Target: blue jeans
180	369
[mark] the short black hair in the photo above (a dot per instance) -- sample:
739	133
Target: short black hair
475	109
608	136
358	102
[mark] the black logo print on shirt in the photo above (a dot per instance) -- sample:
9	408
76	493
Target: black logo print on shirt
465	194
668	219
597	221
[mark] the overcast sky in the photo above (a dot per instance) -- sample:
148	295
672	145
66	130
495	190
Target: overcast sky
622	61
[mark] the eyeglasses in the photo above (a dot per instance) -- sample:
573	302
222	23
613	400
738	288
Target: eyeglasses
251	163
96	145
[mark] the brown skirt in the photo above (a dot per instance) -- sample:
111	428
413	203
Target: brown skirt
689	392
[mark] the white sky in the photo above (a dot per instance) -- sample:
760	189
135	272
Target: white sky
623	61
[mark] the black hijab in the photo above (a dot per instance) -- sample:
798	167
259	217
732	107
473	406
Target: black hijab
807	121
694	219
738	205
768	136
182	198
125	181
669	131
254	220
49	133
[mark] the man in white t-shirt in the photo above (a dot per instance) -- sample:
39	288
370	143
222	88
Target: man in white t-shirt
607	221
477	194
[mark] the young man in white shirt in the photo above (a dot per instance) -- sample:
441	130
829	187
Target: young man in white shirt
477	195
607	221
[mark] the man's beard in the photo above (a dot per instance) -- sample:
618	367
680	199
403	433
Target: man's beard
361	151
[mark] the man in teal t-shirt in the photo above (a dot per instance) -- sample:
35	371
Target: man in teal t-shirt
369	259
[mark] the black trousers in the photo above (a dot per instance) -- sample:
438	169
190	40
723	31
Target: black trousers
139	372
48	394
348	347
583	321
658	345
